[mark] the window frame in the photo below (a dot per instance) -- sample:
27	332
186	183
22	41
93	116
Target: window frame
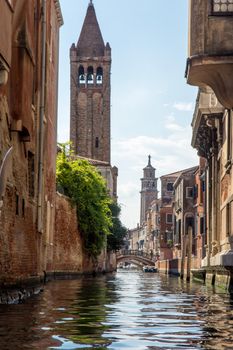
168	183
188	188
169	222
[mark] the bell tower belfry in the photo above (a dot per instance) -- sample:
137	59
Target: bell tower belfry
149	190
90	65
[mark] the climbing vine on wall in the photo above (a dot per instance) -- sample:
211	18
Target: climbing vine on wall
81	182
115	240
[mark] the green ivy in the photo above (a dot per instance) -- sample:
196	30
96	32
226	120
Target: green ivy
81	182
115	240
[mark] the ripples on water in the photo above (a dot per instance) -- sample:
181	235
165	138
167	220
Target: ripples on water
128	310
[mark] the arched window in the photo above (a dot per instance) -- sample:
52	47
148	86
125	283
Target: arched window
90	75
99	76
81	75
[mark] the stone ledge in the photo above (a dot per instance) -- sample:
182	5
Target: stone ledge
224	259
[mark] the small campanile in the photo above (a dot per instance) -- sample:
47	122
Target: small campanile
149	190
90	65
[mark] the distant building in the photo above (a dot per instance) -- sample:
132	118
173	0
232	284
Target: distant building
134	235
166	214
149	190
153	227
185	218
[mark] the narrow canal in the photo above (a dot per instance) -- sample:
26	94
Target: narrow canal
126	310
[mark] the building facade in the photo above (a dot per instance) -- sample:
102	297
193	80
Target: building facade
209	67
166	214
153	227
29	43
184	236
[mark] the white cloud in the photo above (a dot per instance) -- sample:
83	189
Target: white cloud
128	189
183	106
172	125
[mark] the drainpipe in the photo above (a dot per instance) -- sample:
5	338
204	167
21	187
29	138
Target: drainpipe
4	172
41	120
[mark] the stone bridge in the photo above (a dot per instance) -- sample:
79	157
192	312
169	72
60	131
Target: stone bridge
137	257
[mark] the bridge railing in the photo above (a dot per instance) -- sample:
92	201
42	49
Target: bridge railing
140	253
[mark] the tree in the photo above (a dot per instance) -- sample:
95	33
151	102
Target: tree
118	232
86	188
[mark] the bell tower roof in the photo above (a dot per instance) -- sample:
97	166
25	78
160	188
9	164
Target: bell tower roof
149	166
90	43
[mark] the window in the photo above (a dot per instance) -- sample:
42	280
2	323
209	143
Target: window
23	207
96	142
195	191
228	219
229	137
170	186
16	204
189	222
31	174
99	76
81	75
222	7
90	75
201	225
189	192
168	218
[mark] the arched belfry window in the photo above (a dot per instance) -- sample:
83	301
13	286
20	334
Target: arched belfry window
81	75
90	75
99	76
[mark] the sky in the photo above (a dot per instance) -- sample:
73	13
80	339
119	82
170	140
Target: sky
151	104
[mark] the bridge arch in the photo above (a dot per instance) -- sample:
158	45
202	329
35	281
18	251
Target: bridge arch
136	257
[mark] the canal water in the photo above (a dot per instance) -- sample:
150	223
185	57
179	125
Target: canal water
126	310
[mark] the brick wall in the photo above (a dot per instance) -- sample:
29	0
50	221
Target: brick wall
19	246
67	244
68	253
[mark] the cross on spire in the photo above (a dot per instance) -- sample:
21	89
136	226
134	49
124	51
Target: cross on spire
149	158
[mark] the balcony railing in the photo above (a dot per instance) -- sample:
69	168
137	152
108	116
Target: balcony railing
222	7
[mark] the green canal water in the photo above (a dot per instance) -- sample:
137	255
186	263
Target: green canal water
126	310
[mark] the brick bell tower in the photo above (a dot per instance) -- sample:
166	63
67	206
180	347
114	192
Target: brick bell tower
149	190
90	65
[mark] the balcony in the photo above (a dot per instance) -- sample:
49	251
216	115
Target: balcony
5	39
210	61
207	131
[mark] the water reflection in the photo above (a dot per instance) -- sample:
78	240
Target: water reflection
129	310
